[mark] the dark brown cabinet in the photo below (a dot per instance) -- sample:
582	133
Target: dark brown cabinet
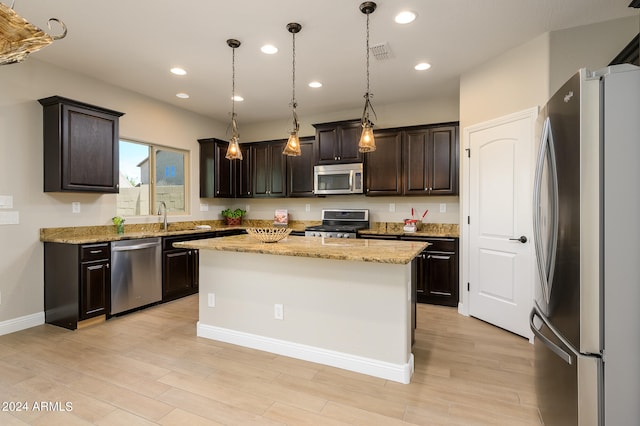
222	178
77	283
337	142
269	169
383	167
300	170
430	161
179	267
80	146
437	271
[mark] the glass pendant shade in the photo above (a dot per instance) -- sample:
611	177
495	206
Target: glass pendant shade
233	151
293	145
367	141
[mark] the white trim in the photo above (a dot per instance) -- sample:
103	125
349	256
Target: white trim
396	372
21	323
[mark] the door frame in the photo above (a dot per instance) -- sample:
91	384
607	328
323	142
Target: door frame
465	194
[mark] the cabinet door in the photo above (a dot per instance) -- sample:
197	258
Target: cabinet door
300	170
242	173
326	145
216	172
178	274
415	173
94	289
383	167
268	169
443	161
80	146
349	138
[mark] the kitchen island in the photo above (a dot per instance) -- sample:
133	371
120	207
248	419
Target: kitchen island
346	303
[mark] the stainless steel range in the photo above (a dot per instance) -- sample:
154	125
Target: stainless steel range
338	223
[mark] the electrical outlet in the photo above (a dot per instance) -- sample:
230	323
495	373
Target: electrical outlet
211	300
307	207
247	207
392	207
0	298
278	311
75	207
443	208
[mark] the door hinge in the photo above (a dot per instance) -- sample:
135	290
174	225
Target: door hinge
468	287
468	152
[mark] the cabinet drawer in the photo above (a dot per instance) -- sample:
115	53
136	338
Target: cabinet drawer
93	252
437	244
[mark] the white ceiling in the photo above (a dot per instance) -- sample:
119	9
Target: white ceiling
134	43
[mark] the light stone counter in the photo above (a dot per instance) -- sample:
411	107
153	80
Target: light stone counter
361	250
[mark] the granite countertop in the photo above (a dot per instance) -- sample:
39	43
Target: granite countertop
98	234
442	230
361	250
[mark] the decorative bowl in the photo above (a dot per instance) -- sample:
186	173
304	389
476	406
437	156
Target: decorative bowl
268	235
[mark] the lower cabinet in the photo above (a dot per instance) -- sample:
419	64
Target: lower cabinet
437	271
77	283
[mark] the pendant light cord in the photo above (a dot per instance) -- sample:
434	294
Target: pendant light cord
234	125
294	104
367	95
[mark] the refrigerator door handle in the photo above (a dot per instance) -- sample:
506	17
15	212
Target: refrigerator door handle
566	357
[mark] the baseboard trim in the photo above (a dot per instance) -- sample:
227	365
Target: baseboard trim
21	323
395	372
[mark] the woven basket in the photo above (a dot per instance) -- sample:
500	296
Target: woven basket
268	235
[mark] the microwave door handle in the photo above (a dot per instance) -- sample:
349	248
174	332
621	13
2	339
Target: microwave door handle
351	179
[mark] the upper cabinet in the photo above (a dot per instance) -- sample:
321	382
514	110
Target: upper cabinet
414	161
222	178
80	146
300	170
269	169
430	161
337	142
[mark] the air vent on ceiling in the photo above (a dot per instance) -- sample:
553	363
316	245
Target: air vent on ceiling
381	51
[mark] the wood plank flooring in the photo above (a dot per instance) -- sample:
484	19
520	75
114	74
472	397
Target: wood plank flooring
150	368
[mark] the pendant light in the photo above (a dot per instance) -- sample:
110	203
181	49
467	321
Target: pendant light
233	151
367	141
293	144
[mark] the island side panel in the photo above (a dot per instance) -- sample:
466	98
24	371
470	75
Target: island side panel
356	308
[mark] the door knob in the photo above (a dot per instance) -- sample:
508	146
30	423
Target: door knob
522	239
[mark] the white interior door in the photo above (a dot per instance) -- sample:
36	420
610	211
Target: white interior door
501	251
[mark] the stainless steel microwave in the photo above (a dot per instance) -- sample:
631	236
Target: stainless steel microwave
337	179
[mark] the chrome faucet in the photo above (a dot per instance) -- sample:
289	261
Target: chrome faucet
163	207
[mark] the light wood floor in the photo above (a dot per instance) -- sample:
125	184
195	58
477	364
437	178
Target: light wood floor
150	368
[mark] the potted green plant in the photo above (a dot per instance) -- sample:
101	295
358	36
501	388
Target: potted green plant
233	217
119	223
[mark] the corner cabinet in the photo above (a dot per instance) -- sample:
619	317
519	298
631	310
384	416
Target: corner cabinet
77	283
337	142
80	146
222	178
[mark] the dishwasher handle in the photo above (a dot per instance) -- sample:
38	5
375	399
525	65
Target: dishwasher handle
135	247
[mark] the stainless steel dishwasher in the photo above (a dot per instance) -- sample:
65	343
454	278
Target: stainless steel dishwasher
136	273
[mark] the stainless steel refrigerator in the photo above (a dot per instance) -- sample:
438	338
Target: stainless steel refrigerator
586	315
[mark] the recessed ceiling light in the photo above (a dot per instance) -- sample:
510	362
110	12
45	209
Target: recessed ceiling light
315	84
178	71
269	49
238	98
422	66
182	95
405	17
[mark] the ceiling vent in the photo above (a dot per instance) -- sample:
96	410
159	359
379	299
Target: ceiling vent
381	51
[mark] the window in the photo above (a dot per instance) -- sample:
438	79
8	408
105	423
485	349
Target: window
149	175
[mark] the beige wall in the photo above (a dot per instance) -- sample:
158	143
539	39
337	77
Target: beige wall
21	253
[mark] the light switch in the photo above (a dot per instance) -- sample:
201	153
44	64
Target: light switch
204	207
9	218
